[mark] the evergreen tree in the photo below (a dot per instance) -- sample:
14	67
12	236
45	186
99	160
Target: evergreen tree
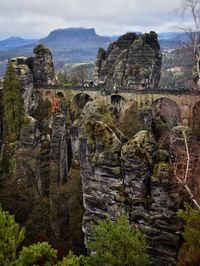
73	260
13	104
116	243
37	254
11	236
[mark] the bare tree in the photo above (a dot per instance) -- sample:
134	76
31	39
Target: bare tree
186	162
185	153
80	73
192	7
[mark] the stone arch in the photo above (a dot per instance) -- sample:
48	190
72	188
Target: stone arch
81	99
166	111
196	118
78	102
117	99
118	102
60	94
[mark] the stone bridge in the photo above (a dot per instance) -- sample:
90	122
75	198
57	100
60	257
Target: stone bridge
187	104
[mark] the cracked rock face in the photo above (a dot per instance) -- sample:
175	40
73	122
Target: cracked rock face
43	69
130	61
100	172
133	178
21	66
35	71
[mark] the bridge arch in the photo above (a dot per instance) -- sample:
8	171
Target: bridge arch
167	110
81	99
117	99
118	103
77	104
60	94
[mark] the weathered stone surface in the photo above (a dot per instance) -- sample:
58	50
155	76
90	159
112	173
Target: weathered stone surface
43	69
93	111
129	61
26	79
58	152
58	168
27	171
33	72
29	132
33	157
153	207
100	171
134	178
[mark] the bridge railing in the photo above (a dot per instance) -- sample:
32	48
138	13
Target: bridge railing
109	91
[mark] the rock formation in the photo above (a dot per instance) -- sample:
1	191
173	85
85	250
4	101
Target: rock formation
130	61
34	71
43	70
100	171
129	177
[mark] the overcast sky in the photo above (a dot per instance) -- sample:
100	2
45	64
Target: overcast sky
36	18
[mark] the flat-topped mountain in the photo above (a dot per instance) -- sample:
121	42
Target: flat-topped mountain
74	38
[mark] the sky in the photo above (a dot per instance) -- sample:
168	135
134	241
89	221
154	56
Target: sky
36	18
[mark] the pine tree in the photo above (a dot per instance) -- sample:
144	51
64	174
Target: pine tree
117	243
11	236
13	104
37	255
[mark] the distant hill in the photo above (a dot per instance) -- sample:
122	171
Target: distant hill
171	40
14	42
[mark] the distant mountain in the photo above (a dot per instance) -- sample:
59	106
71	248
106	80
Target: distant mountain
171	40
70	45
74	38
14	42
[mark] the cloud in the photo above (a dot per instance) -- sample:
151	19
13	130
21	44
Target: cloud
36	18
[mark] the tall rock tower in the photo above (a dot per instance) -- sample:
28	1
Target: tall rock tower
131	61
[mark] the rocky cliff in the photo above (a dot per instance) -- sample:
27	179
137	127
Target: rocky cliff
35	71
130	61
132	177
